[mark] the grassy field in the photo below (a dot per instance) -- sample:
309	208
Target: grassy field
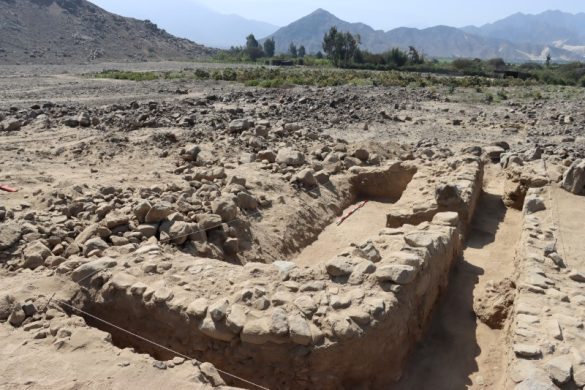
465	88
270	77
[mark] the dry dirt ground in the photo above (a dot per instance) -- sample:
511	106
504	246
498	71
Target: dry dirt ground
262	174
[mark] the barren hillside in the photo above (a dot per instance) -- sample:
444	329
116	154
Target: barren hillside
65	31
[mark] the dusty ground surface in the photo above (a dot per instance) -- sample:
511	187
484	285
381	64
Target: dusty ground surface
244	176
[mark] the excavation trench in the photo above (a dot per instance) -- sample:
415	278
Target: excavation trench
368	217
458	350
362	216
313	236
355	348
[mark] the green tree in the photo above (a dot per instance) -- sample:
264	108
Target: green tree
496	63
340	47
253	49
414	57
350	45
396	57
292	50
331	45
302	51
269	47
251	42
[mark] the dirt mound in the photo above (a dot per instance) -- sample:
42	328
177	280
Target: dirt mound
495	304
72	31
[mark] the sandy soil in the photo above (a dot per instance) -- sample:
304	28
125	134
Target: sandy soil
361	225
569	213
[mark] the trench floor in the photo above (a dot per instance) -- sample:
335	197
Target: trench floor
568	211
458	351
360	226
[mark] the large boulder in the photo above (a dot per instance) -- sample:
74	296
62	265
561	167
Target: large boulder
533	204
226	208
267	155
307	178
256	332
12	125
176	231
247	201
239	125
35	255
211	374
7	304
87	270
95	244
396	273
141	209
115	219
448	195
208	221
289	156
574	178
339	266
191	152
158	212
10	233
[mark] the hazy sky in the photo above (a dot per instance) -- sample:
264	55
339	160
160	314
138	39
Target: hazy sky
380	14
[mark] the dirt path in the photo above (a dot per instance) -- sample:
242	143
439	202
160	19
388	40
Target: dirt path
459	351
569	213
363	224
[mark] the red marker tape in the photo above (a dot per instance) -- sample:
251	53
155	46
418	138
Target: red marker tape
7	188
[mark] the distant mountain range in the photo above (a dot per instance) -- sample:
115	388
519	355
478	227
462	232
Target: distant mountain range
62	31
517	38
73	31
190	20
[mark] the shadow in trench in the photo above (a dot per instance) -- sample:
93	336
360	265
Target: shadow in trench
490	213
446	357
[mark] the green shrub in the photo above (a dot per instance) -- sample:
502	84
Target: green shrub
201	74
121	75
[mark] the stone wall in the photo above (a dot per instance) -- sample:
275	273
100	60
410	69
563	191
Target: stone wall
546	331
348	321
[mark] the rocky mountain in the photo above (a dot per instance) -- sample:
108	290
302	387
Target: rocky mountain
547	27
554	28
194	21
438	41
60	31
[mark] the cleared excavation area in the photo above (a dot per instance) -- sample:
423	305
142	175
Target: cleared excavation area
364	219
290	238
351	300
